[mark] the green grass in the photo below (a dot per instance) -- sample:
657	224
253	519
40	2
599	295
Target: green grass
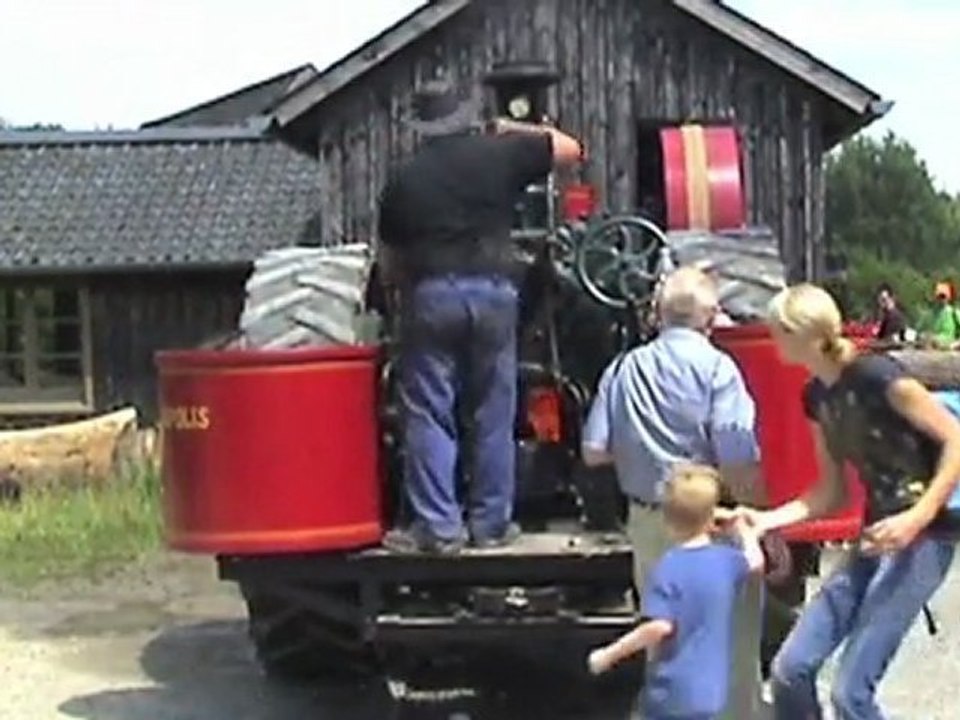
69	532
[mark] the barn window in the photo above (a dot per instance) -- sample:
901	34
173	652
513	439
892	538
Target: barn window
44	350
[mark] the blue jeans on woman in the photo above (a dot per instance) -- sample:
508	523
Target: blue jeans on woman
871	602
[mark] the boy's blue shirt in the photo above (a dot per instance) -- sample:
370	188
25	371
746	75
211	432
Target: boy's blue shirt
695	589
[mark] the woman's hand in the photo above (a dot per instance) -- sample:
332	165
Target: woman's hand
747	517
894	533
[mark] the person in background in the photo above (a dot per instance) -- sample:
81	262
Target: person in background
444	224
688	605
675	400
866	410
892	325
942	324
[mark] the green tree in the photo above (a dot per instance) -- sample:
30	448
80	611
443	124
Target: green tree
881	199
884	213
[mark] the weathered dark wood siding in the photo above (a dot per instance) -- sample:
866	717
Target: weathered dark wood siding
133	316
621	61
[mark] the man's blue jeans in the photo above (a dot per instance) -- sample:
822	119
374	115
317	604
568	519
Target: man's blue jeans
459	345
871	603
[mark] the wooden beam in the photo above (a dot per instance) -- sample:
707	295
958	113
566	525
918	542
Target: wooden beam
784	54
365	58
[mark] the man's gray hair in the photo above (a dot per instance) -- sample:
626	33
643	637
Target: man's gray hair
688	297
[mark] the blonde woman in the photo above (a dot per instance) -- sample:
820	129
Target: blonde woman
866	410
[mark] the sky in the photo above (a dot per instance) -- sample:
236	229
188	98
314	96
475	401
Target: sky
118	63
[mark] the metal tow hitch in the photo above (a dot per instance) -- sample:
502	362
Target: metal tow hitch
517	598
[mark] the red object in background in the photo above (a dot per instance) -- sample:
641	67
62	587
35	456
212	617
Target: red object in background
703	179
579	202
270	451
544	413
675	178
789	463
861	333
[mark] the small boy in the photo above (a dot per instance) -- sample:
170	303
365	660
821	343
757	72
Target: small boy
688	605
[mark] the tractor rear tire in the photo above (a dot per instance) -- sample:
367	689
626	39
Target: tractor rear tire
746	264
296	643
300	296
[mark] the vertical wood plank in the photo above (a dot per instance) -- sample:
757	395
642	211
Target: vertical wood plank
545	27
621	137
592	109
569	58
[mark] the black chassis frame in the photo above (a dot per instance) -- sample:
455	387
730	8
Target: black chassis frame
516	592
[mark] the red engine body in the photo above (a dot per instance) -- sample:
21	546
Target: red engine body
789	463
270	451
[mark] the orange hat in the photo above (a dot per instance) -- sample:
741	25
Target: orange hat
943	289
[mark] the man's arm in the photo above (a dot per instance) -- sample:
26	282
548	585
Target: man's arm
733	434
595	445
565	149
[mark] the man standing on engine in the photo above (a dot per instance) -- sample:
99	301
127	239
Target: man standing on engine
675	400
444	226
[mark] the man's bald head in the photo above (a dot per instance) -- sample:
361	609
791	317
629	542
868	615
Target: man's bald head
688	297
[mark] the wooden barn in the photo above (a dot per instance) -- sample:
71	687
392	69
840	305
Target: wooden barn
627	68
116	244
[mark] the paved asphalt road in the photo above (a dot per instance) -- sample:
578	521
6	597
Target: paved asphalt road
168	643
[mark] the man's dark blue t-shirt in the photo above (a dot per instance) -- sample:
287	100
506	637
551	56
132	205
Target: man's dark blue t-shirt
695	590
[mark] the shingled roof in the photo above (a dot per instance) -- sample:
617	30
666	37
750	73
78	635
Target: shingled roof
149	199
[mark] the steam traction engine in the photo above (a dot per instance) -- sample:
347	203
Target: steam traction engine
286	466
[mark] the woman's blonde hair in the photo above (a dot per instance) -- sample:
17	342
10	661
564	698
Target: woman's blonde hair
810	311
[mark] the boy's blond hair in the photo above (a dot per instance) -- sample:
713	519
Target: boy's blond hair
691	496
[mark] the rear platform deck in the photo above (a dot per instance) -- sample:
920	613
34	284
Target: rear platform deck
547	557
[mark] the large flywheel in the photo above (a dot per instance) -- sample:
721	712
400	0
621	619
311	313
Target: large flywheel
620	260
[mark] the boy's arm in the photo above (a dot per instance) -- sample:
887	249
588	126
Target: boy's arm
643	637
660	596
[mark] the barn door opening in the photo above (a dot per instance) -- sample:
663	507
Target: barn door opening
651	194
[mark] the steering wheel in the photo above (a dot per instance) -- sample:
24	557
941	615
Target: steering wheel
619	261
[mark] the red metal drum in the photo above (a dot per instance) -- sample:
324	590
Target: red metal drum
789	463
702	177
270	451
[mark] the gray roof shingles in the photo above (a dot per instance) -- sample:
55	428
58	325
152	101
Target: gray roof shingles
151	198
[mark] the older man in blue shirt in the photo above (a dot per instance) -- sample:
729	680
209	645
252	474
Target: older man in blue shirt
679	399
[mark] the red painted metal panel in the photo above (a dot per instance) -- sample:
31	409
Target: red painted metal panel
789	463
579	202
270	451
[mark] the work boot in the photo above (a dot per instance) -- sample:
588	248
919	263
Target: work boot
509	536
416	540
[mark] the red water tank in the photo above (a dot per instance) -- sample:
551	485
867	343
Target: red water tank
270	451
789	461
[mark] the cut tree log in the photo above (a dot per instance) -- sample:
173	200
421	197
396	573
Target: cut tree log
90	450
937	369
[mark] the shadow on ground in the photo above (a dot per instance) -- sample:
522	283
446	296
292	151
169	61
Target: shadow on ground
207	671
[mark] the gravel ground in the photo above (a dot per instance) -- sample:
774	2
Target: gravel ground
167	642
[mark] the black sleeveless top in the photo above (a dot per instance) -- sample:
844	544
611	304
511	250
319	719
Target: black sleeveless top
896	461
